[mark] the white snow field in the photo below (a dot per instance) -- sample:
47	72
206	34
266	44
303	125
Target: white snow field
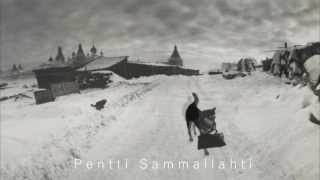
264	122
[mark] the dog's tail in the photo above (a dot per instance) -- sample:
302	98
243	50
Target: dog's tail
313	119
196	99
92	105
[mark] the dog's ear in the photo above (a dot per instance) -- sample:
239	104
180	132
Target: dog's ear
214	109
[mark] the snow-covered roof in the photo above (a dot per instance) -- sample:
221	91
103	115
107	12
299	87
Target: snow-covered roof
151	63
104	62
52	65
102	71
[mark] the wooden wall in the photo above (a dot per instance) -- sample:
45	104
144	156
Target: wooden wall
46	77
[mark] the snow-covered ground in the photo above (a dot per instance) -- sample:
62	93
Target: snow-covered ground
262	118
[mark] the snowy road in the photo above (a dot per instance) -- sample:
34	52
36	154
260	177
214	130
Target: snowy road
264	121
154	129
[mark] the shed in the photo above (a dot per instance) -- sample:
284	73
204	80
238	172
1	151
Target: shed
53	75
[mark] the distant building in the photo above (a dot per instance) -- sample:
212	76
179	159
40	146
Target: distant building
175	58
128	70
93	51
73	55
20	67
60	57
228	67
80	53
247	64
14	68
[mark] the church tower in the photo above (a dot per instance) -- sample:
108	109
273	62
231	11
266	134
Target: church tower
93	51
175	58
60	57
80	53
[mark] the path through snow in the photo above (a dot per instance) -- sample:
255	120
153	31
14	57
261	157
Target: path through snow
248	113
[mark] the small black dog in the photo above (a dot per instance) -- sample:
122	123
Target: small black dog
203	120
100	104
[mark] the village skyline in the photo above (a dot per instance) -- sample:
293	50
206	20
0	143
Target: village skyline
205	31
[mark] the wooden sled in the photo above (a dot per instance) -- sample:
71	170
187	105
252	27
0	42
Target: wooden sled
211	140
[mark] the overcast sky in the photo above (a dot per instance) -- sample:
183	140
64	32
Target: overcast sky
211	30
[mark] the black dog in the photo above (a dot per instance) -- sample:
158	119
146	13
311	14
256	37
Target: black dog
192	115
100	104
203	120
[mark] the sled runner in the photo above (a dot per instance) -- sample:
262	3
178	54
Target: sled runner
211	140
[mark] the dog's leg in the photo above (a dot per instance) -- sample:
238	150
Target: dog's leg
190	135
194	129
189	131
206	152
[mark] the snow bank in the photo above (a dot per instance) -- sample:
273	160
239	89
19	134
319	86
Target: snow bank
312	65
273	119
40	141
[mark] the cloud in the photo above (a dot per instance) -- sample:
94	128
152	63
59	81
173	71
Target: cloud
31	30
